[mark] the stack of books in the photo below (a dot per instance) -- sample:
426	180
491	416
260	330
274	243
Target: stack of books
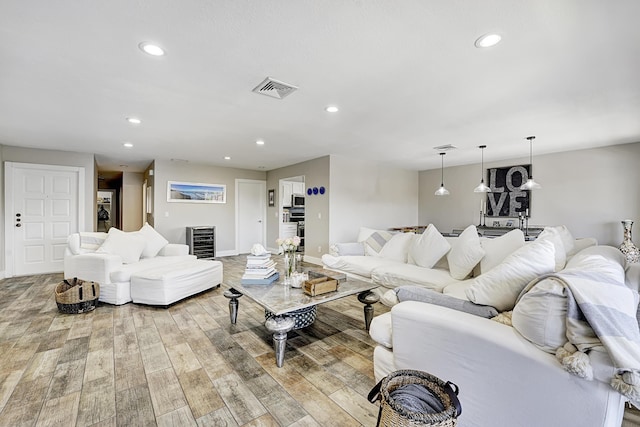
261	270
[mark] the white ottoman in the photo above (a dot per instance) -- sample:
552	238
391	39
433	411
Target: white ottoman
167	284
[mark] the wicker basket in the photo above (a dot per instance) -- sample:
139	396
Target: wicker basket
394	414
75	296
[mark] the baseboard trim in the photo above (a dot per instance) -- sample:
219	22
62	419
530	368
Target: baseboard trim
312	260
227	253
2	274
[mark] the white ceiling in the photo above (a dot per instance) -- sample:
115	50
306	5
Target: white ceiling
405	74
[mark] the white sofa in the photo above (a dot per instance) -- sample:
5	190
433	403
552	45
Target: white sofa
504	378
413	260
160	272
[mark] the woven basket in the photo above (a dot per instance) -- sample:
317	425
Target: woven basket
393	414
75	296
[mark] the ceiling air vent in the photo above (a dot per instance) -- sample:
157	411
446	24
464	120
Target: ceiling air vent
274	88
445	147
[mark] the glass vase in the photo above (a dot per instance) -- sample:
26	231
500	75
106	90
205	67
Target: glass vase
289	267
630	251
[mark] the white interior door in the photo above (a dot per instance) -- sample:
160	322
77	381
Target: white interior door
42	207
251	214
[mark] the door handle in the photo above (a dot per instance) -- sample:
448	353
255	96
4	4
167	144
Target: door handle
259	220
18	225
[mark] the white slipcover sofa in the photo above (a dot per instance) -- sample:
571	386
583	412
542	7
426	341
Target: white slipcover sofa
141	266
507	375
435	262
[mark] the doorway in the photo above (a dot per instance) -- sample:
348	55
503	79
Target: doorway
107	206
251	211
108	197
291	221
43	206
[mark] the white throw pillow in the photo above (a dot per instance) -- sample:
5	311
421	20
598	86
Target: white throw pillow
567	238
552	234
465	253
374	243
92	240
497	249
610	253
347	249
128	246
154	241
540	315
397	247
500	286
428	248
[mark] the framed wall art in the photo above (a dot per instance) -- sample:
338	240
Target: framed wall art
196	192
506	198
272	198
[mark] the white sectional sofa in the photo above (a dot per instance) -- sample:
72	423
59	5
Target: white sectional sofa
508	374
505	366
142	266
428	259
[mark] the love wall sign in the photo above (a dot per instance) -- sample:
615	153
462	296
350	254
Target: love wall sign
506	198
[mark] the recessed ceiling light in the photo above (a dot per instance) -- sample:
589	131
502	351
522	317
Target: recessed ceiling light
134	120
227	158
127	145
331	109
260	142
151	49
488	40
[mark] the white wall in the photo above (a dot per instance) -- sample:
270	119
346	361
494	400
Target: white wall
1	213
590	191
132	201
316	174
171	219
369	194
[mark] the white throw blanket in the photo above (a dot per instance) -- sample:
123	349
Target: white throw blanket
601	311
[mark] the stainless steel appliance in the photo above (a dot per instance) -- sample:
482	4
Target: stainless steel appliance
296	214
297	200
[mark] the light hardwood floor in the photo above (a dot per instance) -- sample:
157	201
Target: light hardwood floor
136	365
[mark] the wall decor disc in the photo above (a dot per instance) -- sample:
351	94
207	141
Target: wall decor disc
309	191
321	190
315	190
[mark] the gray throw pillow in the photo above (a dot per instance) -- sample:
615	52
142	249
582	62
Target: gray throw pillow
416	293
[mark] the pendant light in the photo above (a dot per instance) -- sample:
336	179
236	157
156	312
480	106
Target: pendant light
482	188
531	184
442	191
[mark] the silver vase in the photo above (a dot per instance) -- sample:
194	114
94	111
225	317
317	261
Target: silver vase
630	251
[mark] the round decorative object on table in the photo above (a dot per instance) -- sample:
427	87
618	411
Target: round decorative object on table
630	251
302	317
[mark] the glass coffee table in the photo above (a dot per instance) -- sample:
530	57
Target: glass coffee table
288	308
